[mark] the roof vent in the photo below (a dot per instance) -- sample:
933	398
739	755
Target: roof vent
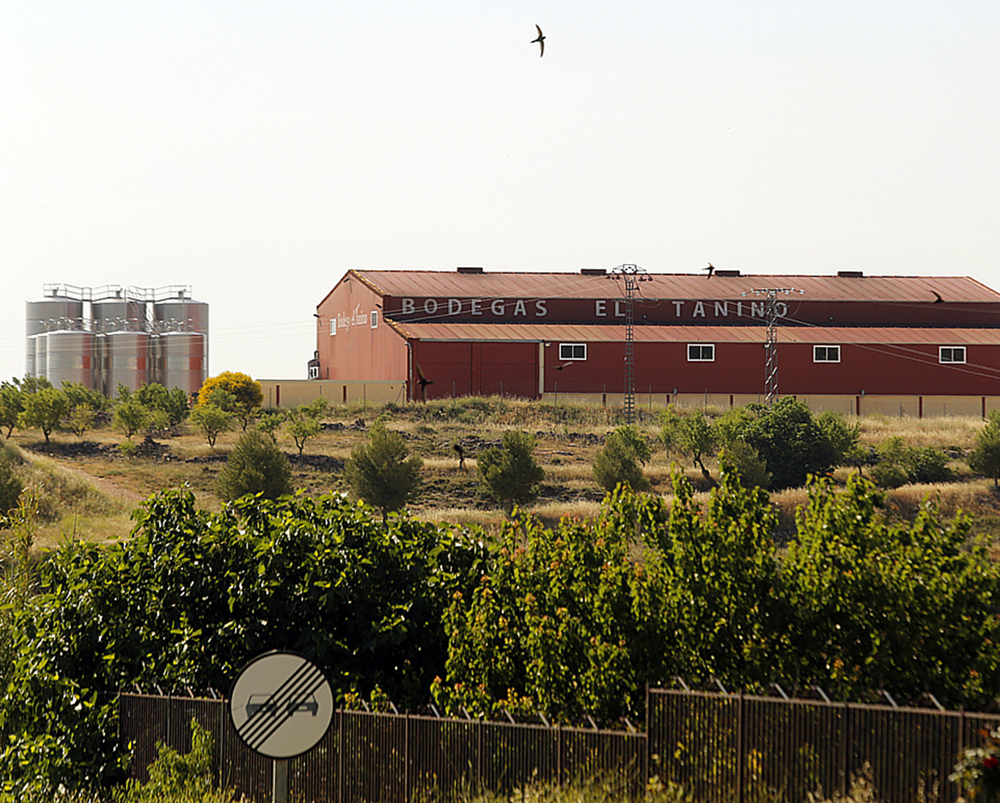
469	270
851	274
594	271
727	272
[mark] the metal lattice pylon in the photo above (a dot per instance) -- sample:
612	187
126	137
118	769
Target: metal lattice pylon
771	340
631	275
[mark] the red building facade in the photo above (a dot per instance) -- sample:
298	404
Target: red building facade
472	332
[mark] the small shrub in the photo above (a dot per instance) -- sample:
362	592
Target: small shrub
382	472
889	475
510	473
255	465
751	470
620	461
10	485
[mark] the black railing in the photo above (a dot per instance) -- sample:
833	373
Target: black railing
718	747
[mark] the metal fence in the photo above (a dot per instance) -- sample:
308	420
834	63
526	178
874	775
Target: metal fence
719	747
368	756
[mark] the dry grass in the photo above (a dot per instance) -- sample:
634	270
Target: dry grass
568	441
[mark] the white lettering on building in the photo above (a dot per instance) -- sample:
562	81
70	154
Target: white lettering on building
540	309
407	306
496	306
430	306
454	306
699	310
599	308
519	307
678	306
476	306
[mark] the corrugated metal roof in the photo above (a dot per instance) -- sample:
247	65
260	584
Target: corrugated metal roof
420	283
592	333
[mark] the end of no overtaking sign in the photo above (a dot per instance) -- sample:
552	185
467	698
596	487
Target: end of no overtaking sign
281	705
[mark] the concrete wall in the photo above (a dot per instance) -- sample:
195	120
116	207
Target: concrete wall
293	392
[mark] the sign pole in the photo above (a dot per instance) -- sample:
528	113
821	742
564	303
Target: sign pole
280	788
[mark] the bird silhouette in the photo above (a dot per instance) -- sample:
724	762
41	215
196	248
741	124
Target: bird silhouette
710	269
937	297
540	40
461	455
423	381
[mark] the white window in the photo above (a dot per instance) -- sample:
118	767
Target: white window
314	372
952	354
374	319
826	353
572	351
333	326
701	352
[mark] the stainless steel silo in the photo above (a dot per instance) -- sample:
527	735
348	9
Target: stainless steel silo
182	361
40	362
29	357
126	360
70	357
118	314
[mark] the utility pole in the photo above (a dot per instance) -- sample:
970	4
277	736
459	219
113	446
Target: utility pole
771	342
631	275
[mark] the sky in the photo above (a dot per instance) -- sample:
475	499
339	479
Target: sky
258	150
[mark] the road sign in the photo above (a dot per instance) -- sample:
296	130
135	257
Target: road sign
281	705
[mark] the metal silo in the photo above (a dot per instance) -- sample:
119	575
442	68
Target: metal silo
126	360
53	312
40	354
182	361
117	313
178	312
29	357
70	357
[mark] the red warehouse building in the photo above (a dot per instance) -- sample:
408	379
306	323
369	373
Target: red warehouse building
898	344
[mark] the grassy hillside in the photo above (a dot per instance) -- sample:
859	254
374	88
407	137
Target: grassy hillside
88	486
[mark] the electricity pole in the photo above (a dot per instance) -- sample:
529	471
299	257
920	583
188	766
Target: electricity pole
771	342
631	275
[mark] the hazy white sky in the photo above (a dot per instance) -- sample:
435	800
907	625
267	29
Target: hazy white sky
258	150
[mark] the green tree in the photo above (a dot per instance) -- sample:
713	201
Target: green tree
510	473
888	605
985	457
211	421
173	403
80	419
747	465
80	395
130	415
621	459
44	410
789	442
255	465
842	434
11	406
269	423
246	392
692	436
302	422
382	472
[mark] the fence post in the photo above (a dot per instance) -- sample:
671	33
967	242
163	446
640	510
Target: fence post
649	721
406	757
340	755
559	756
961	744
845	746
740	792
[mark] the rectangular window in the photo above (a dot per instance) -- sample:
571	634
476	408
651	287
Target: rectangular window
826	353
701	352
374	319
572	351
952	354
333	326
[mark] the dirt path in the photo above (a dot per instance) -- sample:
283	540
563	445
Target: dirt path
105	486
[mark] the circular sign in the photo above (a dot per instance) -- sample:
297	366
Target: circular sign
281	704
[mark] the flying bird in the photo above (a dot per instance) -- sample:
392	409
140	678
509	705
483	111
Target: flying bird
937	297
540	40
710	269
423	381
